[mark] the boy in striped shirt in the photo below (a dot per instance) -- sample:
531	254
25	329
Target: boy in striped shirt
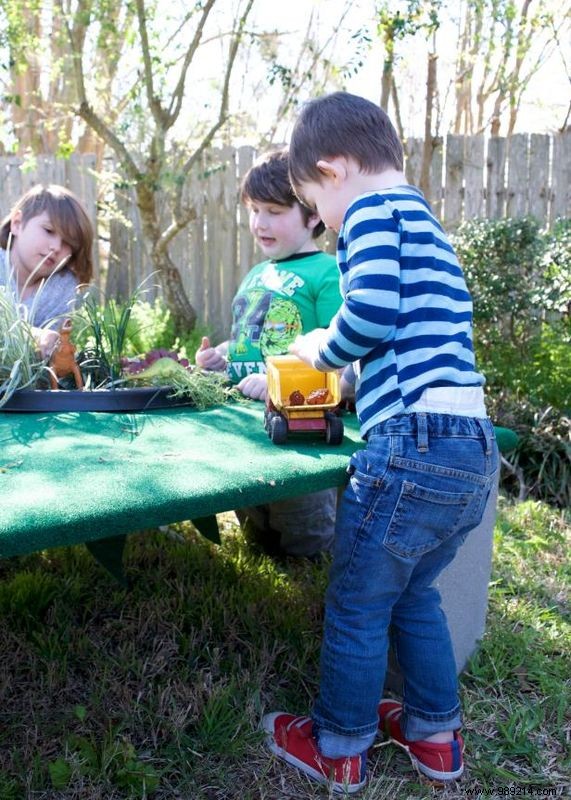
421	483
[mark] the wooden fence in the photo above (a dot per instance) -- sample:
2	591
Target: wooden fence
528	174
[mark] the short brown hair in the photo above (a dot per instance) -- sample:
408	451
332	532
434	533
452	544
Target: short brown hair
267	181
342	124
69	218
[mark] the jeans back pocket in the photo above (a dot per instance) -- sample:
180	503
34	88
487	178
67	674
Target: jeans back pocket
425	517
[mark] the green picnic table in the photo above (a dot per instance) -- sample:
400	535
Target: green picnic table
80	477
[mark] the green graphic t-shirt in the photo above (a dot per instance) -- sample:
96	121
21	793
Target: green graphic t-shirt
275	302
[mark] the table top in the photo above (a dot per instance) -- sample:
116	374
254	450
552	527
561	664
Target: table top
76	477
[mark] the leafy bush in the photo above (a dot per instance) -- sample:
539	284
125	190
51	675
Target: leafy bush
543	455
155	330
537	373
520	279
502	263
540	465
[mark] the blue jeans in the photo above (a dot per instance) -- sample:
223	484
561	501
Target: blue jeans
302	525
414	494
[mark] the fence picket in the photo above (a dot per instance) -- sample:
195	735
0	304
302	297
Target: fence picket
495	185
436	193
538	183
561	176
454	172
245	241
474	177
518	176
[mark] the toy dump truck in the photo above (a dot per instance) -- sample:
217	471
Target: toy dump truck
301	400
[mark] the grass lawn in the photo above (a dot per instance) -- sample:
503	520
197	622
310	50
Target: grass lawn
158	692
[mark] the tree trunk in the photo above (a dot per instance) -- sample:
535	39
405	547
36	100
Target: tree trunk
521	50
424	182
183	312
386	84
496	120
26	112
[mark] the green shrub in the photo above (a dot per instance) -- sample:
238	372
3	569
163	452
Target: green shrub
155	329
520	279
556	296
537	373
502	263
540	465
150	326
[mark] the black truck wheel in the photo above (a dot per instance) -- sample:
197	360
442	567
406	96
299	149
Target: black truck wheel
278	430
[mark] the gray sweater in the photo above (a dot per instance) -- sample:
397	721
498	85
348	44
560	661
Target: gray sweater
47	307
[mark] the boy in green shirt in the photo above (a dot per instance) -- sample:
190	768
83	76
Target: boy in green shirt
293	291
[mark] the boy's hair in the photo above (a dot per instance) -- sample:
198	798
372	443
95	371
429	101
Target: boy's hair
267	181
342	124
69	219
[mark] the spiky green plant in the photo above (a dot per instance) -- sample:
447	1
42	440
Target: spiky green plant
105	323
20	366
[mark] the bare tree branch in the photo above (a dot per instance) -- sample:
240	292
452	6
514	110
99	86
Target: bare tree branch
183	217
299	75
178	93
87	112
158	112
514	96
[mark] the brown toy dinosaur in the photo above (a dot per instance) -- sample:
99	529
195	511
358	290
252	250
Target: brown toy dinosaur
62	361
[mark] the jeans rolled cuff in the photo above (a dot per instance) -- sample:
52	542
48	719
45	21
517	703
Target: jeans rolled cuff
339	745
417	725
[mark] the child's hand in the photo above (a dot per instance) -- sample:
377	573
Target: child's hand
208	357
254	386
347	384
306	347
47	340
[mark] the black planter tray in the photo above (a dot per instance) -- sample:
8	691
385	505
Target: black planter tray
137	399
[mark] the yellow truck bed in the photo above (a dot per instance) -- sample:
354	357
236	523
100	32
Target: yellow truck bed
287	374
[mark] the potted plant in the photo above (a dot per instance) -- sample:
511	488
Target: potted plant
99	376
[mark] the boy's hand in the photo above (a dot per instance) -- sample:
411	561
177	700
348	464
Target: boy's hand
47	340
306	347
347	383
254	386
208	357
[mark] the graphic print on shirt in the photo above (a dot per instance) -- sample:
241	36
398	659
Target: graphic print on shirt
281	326
265	322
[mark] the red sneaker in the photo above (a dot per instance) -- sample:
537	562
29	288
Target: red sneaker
439	761
291	738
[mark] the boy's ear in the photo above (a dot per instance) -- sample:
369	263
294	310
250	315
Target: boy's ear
313	221
334	168
16	223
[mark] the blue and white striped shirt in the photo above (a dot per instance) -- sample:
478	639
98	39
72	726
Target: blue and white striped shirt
407	313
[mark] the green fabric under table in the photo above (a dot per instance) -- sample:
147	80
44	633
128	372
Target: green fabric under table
81	476
84	476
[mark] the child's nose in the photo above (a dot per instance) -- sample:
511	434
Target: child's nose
57	243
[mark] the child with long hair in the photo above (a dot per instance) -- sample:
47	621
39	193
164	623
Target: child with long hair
46	244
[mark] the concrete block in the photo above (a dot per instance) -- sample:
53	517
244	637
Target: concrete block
463	586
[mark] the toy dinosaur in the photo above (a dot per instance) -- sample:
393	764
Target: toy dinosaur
62	361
